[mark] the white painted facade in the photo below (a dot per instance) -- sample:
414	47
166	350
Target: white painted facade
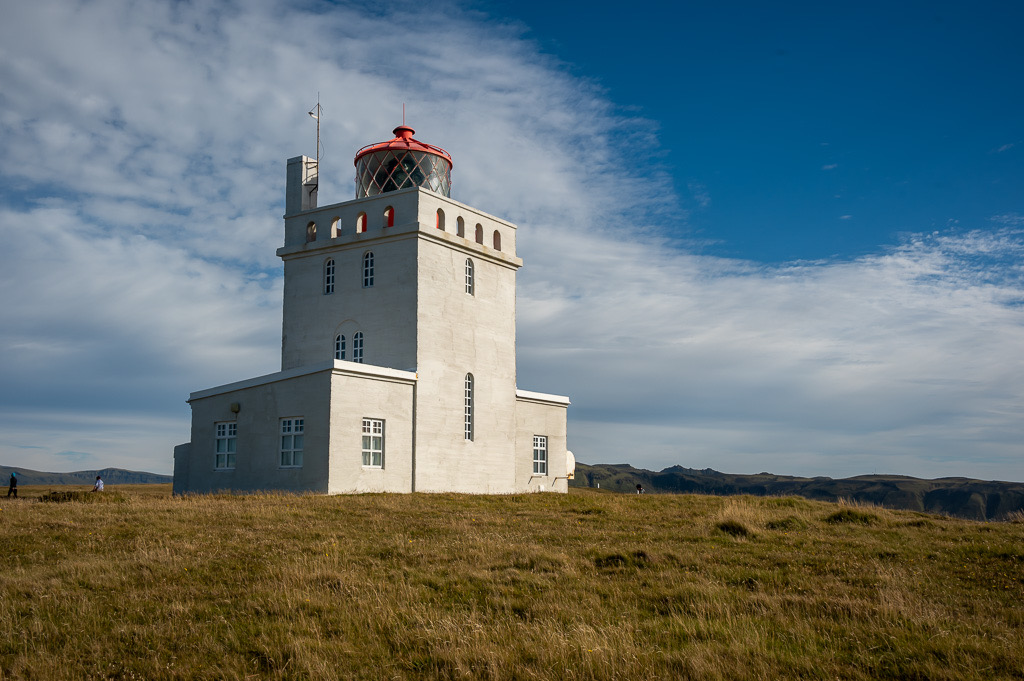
437	306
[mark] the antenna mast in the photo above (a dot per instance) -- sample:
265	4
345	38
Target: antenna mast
315	113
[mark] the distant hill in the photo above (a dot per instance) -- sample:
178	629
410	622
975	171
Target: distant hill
111	476
960	497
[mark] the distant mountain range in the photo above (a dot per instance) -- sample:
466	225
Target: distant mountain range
961	497
112	476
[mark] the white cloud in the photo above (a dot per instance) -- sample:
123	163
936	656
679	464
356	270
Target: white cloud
143	148
830	166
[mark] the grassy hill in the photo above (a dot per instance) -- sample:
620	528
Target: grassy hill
136	584
961	497
114	476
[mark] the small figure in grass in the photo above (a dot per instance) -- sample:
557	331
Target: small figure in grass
13	488
640	488
98	487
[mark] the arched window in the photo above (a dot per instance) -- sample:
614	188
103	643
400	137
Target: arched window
357	347
339	347
468	402
389	217
440	219
479	233
329	276
335	227
496	240
460	227
310	232
469	276
368	269
361	223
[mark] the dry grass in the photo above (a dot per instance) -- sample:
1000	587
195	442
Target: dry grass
583	586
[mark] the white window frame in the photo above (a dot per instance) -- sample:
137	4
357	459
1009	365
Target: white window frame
540	454
373	443
339	346
293	431
368	269
469	276
468	407
329	277
225	445
357	347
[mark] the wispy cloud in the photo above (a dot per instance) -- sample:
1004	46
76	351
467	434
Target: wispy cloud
830	166
700	194
75	457
142	147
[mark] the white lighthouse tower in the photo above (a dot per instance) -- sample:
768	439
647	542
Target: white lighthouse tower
398	354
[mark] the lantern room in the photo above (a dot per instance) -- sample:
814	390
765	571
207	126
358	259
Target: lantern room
401	163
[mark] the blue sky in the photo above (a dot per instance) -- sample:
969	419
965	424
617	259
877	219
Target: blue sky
755	239
812	130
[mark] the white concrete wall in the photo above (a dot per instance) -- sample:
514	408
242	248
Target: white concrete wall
387	397
262	403
414	204
539	416
385	313
459	334
332	399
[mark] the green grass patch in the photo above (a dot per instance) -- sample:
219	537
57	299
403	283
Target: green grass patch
64	496
733	528
851	515
539	586
789	523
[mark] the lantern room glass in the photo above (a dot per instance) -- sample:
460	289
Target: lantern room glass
389	170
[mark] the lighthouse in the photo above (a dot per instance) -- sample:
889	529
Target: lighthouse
398	351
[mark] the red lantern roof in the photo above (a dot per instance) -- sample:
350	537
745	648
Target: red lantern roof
403	140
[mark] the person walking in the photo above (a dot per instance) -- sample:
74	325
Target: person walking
13	486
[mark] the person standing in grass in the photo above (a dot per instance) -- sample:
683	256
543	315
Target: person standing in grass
98	487
13	487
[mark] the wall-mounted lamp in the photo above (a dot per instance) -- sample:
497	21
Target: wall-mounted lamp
235	407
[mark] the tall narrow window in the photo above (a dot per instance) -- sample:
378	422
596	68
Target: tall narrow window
468	410
469	276
292	435
335	227
361	223
460	227
440	219
329	276
389	217
373	443
540	454
496	240
311	232
224	450
368	269
339	347
479	233
357	347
